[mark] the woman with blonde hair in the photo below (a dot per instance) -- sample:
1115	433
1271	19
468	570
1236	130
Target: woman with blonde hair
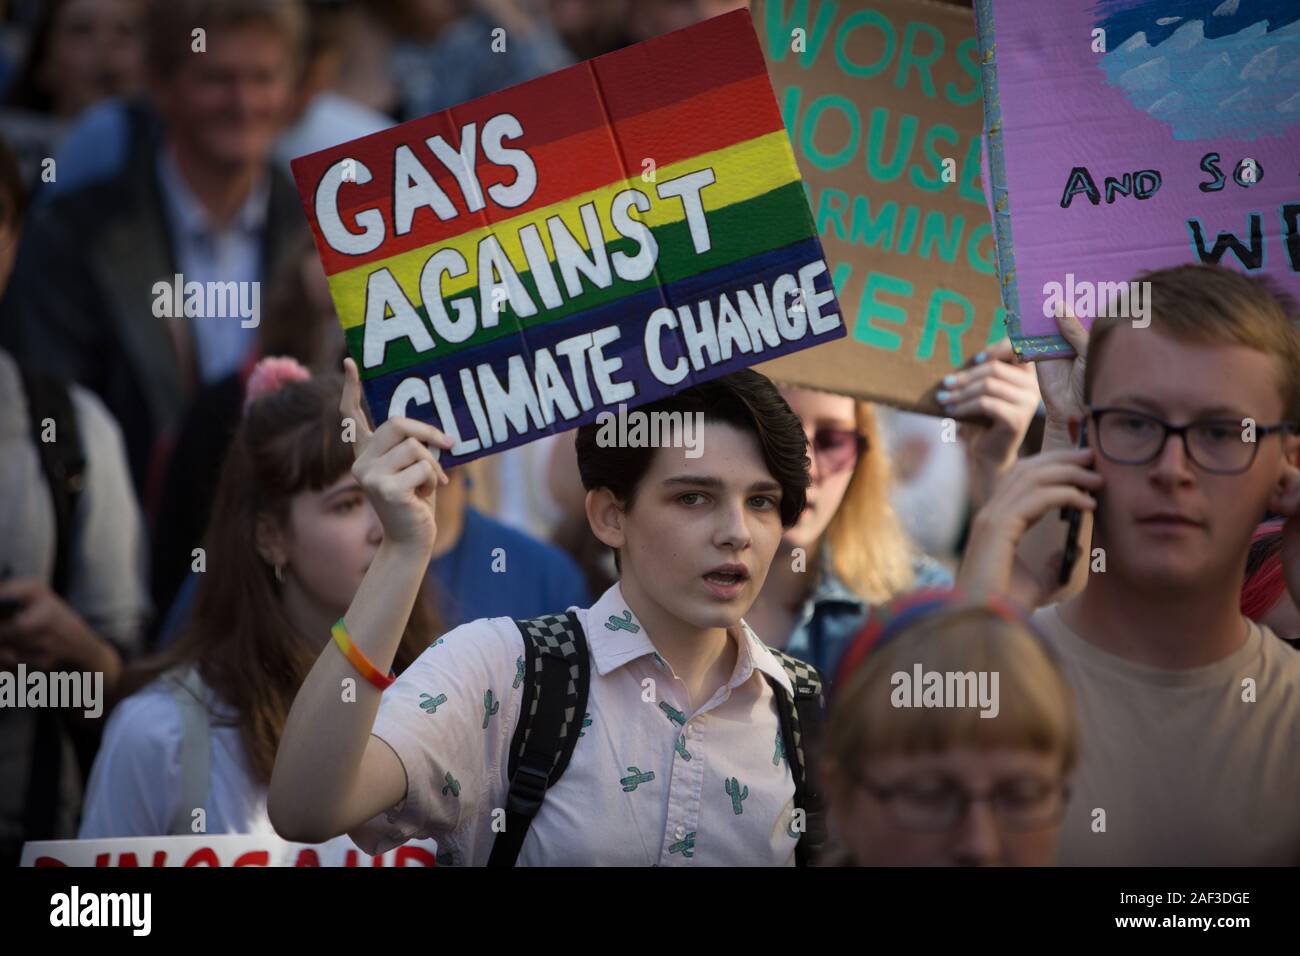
850	550
951	739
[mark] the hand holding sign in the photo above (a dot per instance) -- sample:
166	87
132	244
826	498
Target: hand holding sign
1061	381
395	467
1002	393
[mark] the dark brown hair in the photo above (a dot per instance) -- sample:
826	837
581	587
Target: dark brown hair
13	194
240	638
288	327
746	400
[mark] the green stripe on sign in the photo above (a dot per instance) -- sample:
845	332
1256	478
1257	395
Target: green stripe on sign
770	221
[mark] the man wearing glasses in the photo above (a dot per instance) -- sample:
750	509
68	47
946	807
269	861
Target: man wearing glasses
1189	712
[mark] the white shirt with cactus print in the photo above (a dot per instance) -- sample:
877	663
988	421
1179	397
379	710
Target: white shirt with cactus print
649	783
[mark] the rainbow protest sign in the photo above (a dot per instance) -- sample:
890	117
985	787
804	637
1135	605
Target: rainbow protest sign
606	234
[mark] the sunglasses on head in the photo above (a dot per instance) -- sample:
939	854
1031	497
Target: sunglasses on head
837	448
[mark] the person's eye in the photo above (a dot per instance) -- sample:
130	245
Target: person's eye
692	495
929	796
1220	432
928	788
1024	792
763	502
346	505
1134	423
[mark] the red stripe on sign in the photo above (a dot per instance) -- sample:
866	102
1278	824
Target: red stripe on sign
576	164
635	80
683	63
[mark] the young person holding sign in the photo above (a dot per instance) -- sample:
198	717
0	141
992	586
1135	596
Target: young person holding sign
1189	712
690	751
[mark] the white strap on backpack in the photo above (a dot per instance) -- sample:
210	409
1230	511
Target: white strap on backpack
196	748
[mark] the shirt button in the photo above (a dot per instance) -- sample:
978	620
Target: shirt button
680	833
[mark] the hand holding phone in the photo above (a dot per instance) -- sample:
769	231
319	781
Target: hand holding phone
1075	518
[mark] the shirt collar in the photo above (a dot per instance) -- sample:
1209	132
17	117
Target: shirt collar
616	637
188	214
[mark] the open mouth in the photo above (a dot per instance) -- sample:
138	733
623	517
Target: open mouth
727	581
725	578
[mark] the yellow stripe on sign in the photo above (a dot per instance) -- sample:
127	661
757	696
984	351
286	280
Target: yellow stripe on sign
742	172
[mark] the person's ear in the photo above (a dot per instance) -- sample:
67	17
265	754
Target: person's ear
270	541
605	514
1291	448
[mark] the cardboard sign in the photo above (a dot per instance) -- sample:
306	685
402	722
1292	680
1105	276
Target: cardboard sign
1133	135
225	850
882	100
607	234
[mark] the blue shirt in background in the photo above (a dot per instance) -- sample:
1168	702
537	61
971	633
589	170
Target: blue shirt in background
537	578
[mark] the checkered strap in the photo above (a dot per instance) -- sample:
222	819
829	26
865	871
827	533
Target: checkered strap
801	723
558	675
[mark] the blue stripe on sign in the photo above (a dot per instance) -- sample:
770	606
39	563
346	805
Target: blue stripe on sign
627	317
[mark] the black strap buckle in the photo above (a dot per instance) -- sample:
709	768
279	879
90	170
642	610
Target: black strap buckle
527	790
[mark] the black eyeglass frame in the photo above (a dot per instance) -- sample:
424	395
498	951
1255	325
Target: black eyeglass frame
1096	414
887	795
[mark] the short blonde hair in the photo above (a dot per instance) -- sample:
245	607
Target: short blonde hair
1211	305
1036	709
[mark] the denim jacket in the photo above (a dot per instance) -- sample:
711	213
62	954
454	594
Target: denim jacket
833	614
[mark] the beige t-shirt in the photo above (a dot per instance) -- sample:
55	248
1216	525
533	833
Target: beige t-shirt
1187	772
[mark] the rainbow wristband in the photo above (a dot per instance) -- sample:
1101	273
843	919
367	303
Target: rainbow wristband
359	660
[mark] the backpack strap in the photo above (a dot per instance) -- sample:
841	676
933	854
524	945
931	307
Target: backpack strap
801	723
63	463
196	748
557	669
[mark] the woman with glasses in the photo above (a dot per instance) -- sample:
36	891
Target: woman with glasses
849	550
955	784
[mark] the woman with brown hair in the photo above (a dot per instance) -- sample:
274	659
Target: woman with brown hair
291	537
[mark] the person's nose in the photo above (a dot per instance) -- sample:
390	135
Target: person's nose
732	531
977	841
1172	466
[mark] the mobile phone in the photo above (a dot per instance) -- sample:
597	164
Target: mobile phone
1075	518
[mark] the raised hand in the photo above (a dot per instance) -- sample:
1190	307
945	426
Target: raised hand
1061	380
395	468
1002	394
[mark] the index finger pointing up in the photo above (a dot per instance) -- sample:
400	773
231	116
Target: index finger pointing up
350	407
